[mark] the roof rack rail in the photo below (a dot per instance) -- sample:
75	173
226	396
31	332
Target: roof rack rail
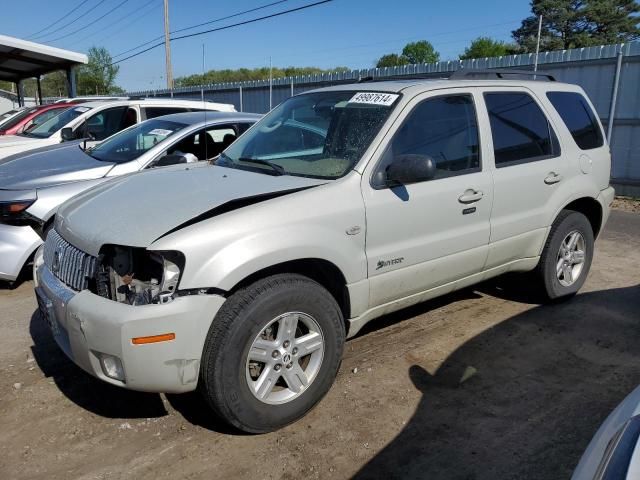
500	73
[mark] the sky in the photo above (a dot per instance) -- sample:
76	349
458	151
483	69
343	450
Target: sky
351	33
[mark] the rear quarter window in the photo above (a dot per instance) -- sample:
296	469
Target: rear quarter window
577	115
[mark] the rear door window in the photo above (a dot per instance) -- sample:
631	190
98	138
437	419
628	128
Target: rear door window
153	112
520	130
579	118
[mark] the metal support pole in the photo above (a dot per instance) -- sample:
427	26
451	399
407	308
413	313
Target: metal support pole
292	87
614	96
39	89
241	99
535	65
71	82
270	84
18	93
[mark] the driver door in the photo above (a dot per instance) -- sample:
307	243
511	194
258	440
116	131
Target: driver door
433	232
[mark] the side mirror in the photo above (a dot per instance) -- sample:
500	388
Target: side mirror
67	134
410	169
175	159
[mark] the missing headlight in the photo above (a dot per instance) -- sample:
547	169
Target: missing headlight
137	276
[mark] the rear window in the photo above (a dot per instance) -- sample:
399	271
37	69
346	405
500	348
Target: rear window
578	117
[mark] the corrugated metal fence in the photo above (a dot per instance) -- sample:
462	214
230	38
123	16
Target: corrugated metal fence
593	68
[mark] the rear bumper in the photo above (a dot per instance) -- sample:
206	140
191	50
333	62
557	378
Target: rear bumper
87	327
16	246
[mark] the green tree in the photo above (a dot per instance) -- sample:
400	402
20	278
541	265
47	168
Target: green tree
246	74
563	25
483	47
420	52
99	75
578	23
391	60
612	21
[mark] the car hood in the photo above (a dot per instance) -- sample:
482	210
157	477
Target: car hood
16	140
48	166
137	209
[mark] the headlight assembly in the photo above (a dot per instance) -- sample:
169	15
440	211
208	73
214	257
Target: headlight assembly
137	276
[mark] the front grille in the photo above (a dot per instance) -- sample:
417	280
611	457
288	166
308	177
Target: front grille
69	264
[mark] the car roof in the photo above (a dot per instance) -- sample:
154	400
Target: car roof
192	118
151	101
418	85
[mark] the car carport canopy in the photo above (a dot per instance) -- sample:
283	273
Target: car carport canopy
21	59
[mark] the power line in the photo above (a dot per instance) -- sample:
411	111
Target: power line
59	20
229	16
68	23
136	18
127	15
90	24
278	14
253	20
200	24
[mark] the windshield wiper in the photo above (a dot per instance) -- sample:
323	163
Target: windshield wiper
279	169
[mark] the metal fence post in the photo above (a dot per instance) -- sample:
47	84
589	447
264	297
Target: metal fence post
292	87
614	95
241	99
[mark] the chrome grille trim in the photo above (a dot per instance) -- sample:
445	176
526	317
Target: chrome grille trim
69	264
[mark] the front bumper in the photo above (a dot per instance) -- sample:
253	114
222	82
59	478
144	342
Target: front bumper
16	246
87	326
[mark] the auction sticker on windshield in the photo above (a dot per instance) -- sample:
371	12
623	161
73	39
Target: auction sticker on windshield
374	98
161	132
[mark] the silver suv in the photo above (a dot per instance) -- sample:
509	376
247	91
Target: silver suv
342	204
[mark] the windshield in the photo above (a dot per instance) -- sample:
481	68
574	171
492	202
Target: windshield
317	135
54	124
133	142
6	122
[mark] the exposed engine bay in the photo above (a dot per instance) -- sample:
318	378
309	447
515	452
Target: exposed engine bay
136	276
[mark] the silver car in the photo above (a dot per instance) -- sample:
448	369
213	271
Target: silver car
244	278
34	184
614	451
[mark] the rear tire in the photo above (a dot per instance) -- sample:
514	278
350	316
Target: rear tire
272	352
566	257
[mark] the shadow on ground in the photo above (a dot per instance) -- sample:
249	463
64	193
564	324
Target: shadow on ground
107	400
545	381
84	390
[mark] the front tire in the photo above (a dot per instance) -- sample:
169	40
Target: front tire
567	255
272	352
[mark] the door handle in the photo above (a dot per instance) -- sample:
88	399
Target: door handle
470	196
552	178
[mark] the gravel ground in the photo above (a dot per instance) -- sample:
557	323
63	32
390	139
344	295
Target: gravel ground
538	380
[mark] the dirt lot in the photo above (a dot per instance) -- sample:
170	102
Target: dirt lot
545	377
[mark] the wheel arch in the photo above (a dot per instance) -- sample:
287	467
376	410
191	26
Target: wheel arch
322	271
590	208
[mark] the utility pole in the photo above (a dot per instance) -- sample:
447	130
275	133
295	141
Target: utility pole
167	46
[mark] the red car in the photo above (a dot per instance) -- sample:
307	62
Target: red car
30	117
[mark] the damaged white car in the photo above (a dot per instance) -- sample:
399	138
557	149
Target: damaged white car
244	278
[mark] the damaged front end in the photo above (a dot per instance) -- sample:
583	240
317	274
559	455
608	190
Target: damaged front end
137	276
